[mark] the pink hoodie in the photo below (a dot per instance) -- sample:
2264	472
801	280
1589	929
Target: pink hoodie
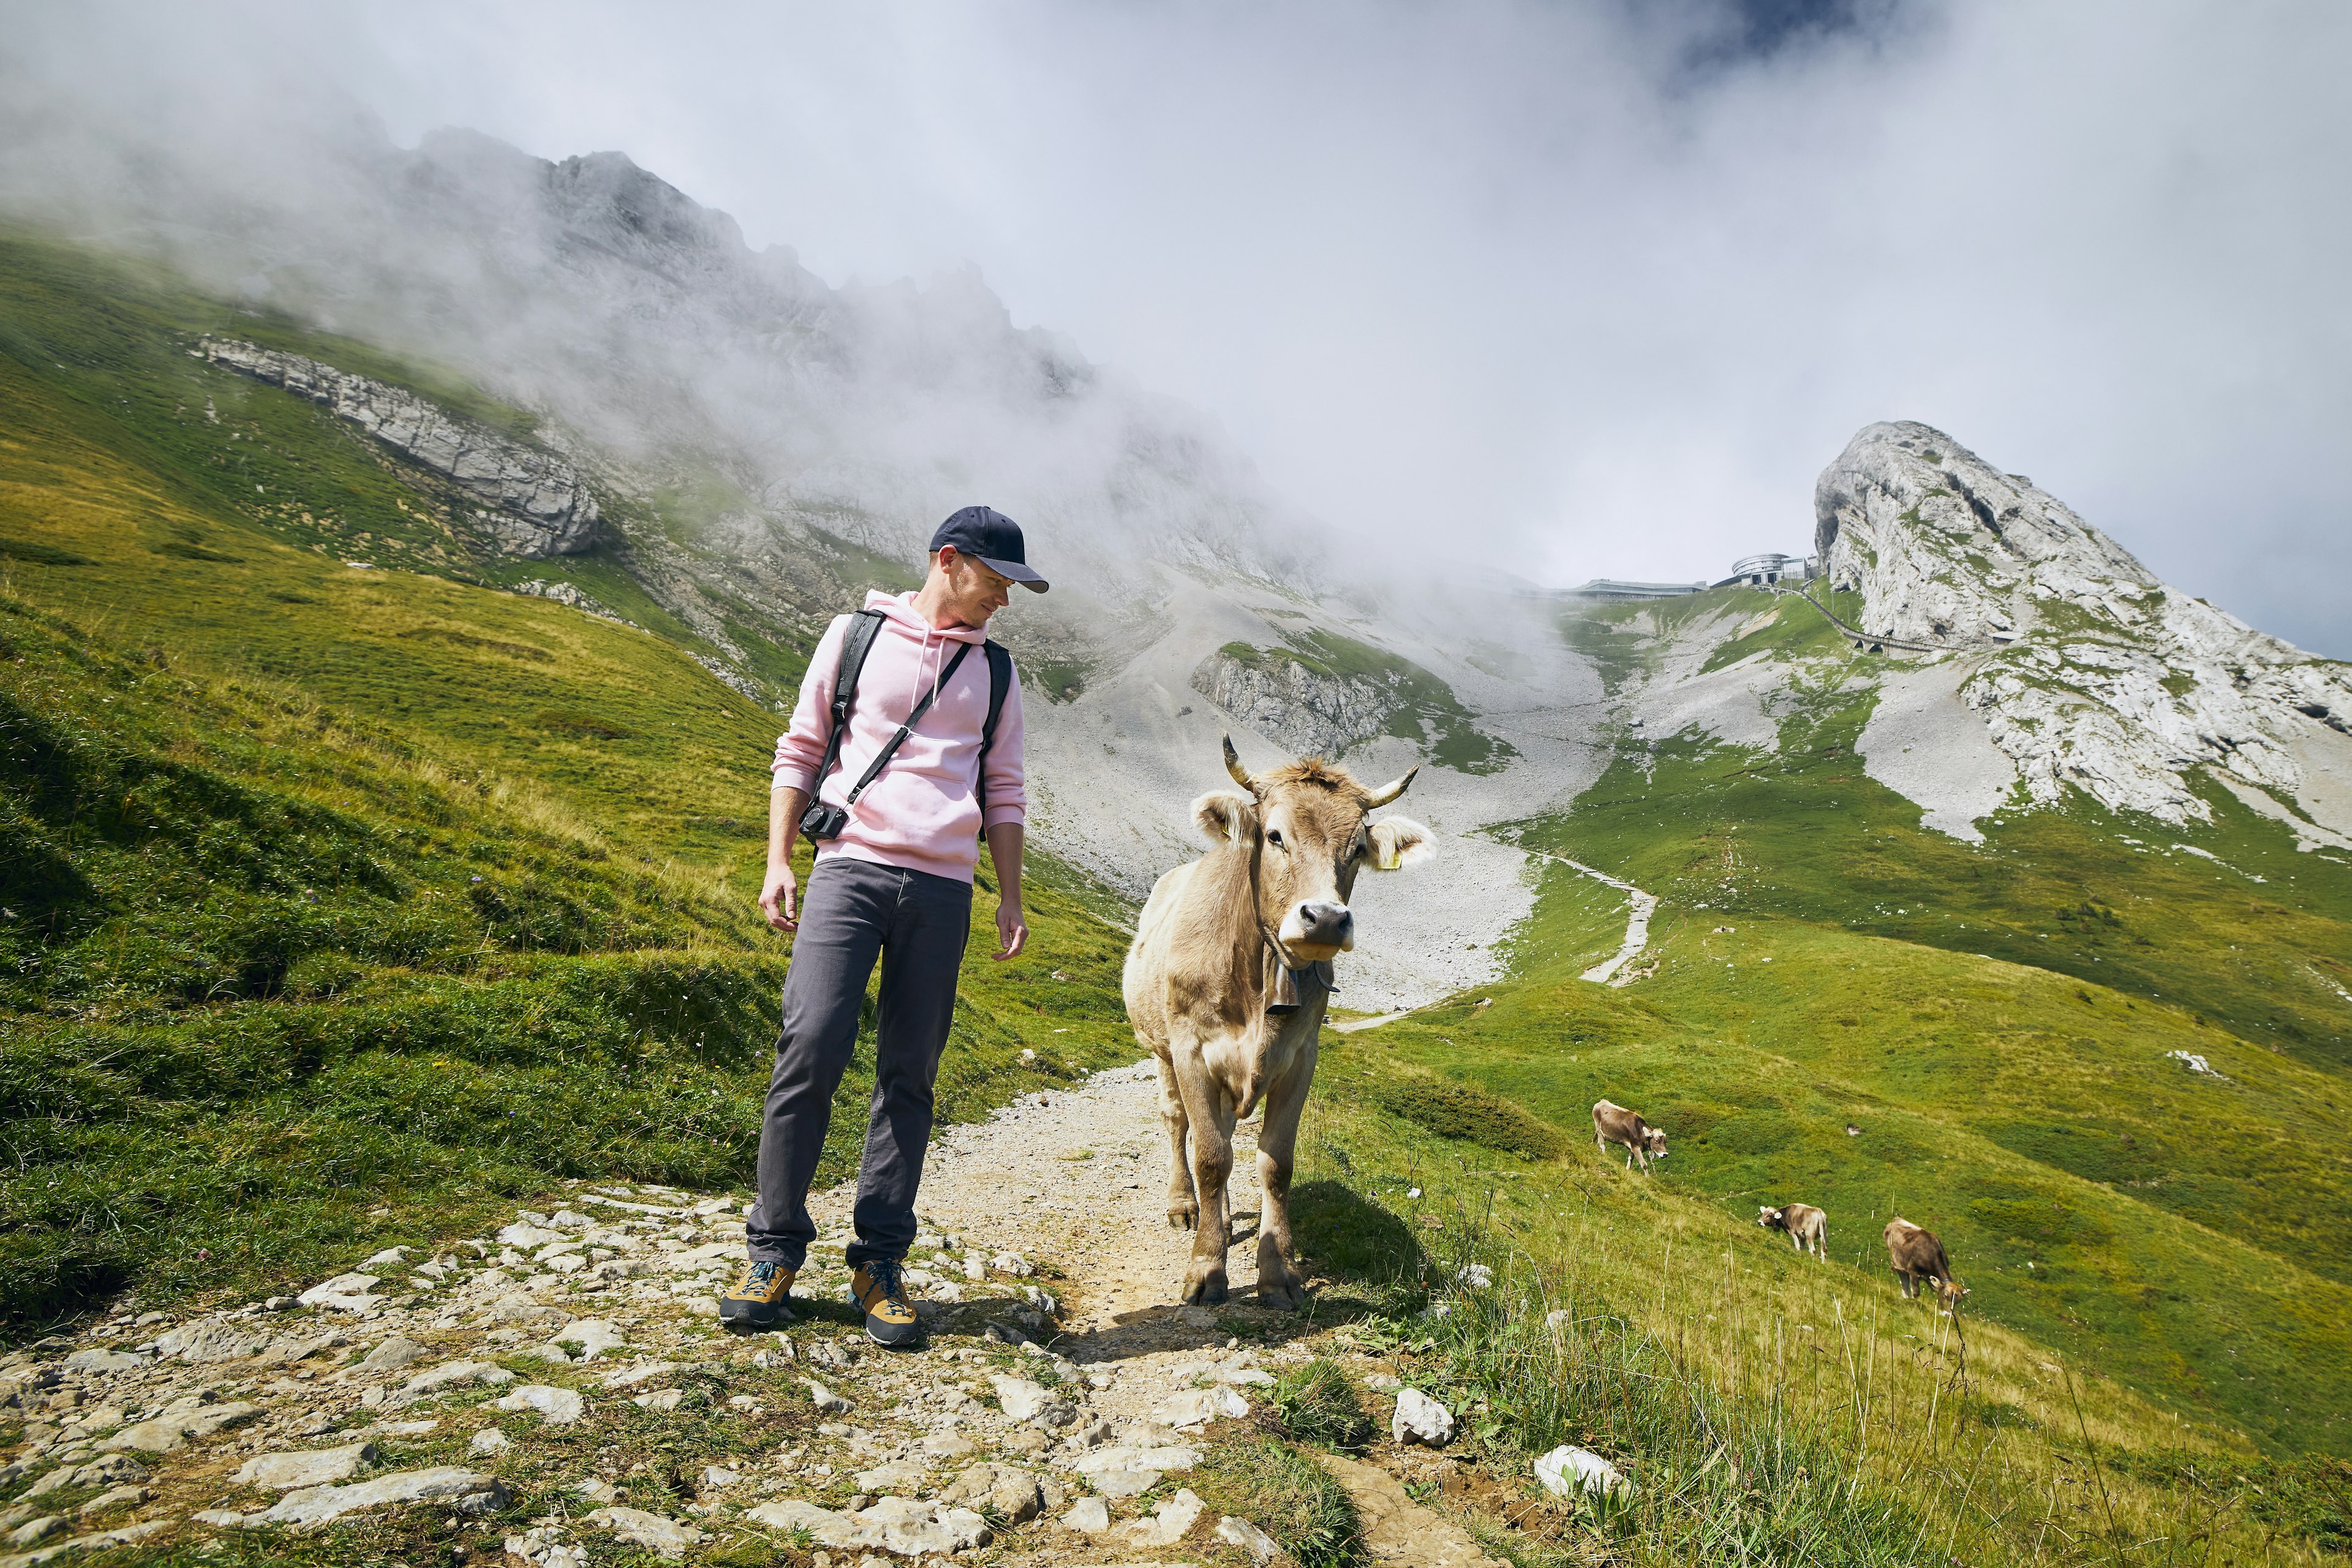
920	814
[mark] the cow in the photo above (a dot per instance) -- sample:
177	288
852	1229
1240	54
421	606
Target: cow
1615	1124
1228	980
1807	1227
1917	1254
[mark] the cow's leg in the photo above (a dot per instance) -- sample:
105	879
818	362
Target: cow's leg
1279	1283
1184	1207
1796	1241
1209	1110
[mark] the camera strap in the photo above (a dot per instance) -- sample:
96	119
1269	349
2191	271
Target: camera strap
890	747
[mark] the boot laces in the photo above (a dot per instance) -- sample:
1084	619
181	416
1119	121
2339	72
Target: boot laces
889	1277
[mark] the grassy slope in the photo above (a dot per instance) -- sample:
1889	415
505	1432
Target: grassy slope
1820	969
1766	1407
260	1010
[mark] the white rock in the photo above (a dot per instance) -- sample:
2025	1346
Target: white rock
451	1372
469	1490
488	1441
1419	1419
209	1342
1020	1398
560	1406
315	1468
826	1399
720	1476
1089	1515
343	1293
665	1399
392	1355
1194	1406
664	1536
1169	1521
388	1256
104	1363
1240	1532
1567	1470
1124	1456
594	1336
637	1373
899	1475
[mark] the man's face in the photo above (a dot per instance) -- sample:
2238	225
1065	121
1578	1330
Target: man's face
973	591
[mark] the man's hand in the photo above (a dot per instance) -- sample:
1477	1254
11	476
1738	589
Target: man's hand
780	898
779	894
1011	929
1005	852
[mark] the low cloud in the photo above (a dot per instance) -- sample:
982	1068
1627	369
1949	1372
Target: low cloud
1567	290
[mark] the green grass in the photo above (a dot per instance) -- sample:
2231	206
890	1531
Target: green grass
1766	1408
1283	1493
1992	1021
348	904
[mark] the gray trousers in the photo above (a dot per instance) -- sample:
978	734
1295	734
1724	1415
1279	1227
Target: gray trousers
856	911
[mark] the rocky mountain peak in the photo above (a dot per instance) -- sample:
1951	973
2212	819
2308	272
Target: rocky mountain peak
2088	670
1946	548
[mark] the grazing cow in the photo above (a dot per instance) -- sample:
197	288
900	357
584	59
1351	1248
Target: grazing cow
1615	1124
1917	1254
1228	980
1807	1227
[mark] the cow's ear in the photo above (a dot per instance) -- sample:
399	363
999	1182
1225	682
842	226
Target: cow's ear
1226	816
1398	841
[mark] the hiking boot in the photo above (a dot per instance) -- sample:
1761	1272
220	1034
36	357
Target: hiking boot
879	1285
757	1295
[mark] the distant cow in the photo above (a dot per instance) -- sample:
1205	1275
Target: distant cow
1807	1227
1228	980
1917	1254
1615	1124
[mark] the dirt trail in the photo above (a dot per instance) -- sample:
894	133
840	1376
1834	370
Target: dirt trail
1083	1175
572	1361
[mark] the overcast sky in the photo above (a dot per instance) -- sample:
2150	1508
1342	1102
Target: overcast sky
1570	290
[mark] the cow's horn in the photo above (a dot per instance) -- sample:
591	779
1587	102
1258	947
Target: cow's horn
1388	792
1234	766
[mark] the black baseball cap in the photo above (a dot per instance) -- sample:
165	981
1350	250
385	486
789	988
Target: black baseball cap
994	539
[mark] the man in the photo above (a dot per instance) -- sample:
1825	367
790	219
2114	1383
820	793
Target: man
894	880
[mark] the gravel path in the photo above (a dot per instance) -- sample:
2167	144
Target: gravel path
573	1363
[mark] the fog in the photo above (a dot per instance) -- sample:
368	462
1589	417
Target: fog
1558	291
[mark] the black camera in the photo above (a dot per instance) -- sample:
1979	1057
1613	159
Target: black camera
821	821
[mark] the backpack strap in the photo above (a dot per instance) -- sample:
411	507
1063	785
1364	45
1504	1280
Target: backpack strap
1000	681
857	642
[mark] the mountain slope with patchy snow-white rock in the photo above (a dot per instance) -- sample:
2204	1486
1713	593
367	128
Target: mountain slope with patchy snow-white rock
2084	670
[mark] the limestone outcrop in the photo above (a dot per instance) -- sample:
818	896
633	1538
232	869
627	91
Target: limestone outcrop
2089	671
1312	713
538	505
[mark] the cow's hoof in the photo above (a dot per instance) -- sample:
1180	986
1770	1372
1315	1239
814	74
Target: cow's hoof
1208	1290
1282	1295
1183	1216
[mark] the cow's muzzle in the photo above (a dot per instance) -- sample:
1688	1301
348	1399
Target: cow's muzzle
1316	929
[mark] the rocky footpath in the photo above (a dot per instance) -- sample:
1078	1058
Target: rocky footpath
540	505
2086	668
547	1393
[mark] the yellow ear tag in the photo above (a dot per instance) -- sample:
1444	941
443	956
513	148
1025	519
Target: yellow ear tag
1390	858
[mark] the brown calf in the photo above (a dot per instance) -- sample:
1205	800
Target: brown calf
1615	1124
1918	1256
1807	1227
